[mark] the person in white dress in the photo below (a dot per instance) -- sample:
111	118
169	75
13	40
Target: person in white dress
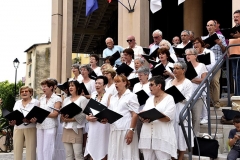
98	133
73	126
184	85
164	55
158	139
200	68
123	141
199	46
25	132
76	72
47	130
129	60
94	59
110	87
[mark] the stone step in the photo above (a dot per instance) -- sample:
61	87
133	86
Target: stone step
213	119
204	128
196	157
218	110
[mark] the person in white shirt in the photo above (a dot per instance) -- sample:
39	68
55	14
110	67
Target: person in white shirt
138	50
76	72
94	59
129	60
46	131
110	87
123	141
200	68
73	127
157	38
26	132
185	37
165	44
158	138
99	151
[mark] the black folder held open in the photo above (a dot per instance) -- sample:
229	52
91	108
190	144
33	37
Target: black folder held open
72	109
191	72
204	58
152	114
124	69
211	40
229	32
176	94
37	112
101	112
142	97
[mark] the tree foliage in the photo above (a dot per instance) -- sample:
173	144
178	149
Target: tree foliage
7	91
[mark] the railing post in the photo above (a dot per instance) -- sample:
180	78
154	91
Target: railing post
189	134
208	105
228	83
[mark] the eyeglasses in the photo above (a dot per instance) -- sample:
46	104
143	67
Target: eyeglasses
24	91
210	25
176	68
129	40
155	37
151	84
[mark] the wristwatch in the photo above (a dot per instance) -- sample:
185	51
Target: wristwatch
132	129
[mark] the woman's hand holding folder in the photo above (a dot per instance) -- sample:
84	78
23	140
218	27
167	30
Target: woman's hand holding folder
12	123
91	118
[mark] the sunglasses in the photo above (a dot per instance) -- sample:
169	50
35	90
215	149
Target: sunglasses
129	40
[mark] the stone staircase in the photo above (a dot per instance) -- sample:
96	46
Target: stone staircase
221	135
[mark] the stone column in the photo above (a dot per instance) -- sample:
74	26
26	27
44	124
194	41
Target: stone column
56	40
192	16
135	23
67	40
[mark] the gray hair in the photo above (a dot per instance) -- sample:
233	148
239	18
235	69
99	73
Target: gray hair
76	66
181	64
142	61
158	32
186	31
192	50
109	38
144	70
87	67
167	42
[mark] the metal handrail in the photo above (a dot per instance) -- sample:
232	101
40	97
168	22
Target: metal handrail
185	113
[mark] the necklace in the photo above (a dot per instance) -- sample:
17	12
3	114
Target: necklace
96	98
157	99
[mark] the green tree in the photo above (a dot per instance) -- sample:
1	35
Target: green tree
7	91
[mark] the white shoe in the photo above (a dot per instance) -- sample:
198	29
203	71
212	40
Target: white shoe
204	121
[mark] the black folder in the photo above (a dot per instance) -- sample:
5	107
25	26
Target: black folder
124	69
204	58
211	40
63	86
103	111
191	72
133	81
115	56
72	109
159	70
228	32
180	52
152	114
84	89
176	94
146	50
39	113
15	115
93	75
142	97
150	60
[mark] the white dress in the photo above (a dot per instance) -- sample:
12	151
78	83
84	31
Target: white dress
118	148
186	89
159	135
98	135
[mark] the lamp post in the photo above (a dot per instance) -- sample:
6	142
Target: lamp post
15	64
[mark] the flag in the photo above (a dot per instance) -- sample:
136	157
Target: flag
91	6
155	5
109	1
180	1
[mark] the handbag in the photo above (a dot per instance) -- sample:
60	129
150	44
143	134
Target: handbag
208	147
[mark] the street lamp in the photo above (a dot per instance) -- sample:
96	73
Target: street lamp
16	64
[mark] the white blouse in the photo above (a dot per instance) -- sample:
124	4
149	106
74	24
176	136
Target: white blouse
48	122
81	102
168	66
159	135
200	69
111	90
79	79
138	87
25	110
98	71
123	105
90	86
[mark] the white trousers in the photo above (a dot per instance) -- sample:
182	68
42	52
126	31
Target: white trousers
45	143
150	154
73	150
